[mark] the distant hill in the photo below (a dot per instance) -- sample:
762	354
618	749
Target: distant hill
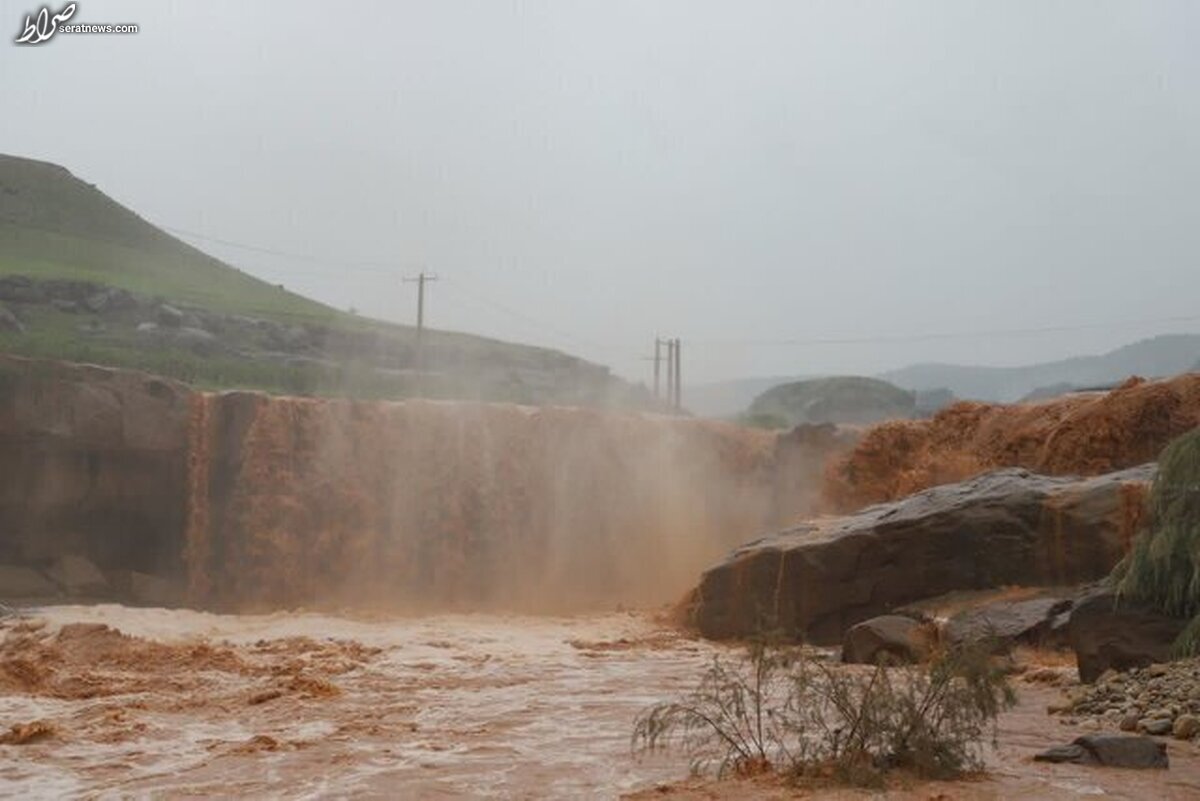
838	399
84	278
729	398
1159	356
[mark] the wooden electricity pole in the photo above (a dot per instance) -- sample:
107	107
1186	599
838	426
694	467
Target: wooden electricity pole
657	366
420	280
670	372
678	374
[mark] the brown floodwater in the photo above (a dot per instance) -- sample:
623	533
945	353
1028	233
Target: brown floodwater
151	702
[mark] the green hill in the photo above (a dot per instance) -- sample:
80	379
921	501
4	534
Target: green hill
840	399
85	279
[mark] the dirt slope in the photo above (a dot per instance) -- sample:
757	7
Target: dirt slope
1085	434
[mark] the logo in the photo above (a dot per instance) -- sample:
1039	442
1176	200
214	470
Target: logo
40	28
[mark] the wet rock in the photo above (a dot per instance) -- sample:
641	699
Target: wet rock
96	303
1111	750
196	339
816	580
18	581
148	590
1155	726
78	576
9	322
74	291
94	462
169	316
21	289
91	328
121	299
63	305
1105	635
1009	622
1186	727
1129	722
896	638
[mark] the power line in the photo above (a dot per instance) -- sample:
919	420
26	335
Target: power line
380	267
364	266
1000	332
527	319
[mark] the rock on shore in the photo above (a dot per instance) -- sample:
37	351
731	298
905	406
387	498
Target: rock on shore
1011	526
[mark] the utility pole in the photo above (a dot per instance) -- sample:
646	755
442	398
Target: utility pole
670	372
420	282
657	365
678	374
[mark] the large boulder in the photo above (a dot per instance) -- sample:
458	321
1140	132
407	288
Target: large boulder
1110	750
895	638
1106	634
1032	621
814	581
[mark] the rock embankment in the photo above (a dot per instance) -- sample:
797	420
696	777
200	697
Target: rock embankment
1159	699
814	581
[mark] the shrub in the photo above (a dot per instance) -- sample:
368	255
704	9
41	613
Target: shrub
781	709
1163	569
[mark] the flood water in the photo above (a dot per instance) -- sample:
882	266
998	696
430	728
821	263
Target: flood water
158	703
449	706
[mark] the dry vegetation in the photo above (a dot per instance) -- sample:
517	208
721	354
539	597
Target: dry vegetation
780	709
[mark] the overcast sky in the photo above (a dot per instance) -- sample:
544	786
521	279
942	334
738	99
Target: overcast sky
738	174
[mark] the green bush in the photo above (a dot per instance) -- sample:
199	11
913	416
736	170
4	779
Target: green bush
1163	569
781	709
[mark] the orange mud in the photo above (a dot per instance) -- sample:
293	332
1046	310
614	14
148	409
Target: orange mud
1084	434
303	705
156	703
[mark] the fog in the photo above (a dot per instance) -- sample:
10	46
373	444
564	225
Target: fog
749	177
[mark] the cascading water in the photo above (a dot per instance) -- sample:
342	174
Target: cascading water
451	505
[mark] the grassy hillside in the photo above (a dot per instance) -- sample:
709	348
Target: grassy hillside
839	399
52	225
89	280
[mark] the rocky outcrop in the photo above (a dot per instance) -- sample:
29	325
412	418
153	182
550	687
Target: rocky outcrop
93	463
1107	635
814	581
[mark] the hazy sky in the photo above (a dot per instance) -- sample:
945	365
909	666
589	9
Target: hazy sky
737	174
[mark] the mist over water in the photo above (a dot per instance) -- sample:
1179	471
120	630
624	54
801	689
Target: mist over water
423	505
